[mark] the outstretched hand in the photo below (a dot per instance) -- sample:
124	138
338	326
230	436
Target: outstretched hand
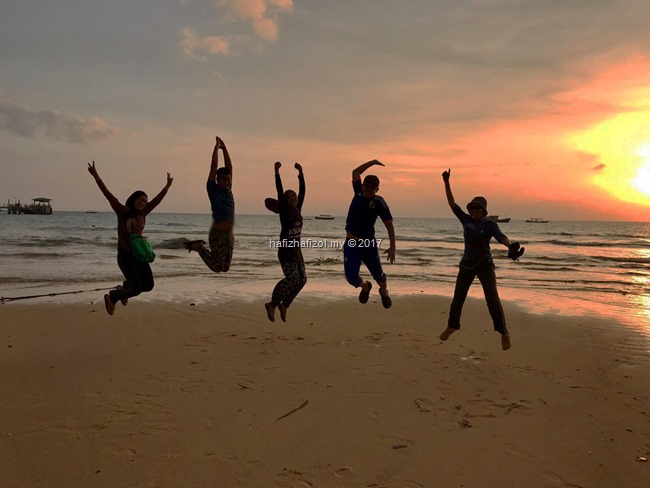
391	254
277	166
376	162
446	175
219	142
92	170
298	166
170	180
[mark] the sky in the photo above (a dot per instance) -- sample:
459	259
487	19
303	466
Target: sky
541	106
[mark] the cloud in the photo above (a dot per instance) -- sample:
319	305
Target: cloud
196	47
599	167
261	14
25	122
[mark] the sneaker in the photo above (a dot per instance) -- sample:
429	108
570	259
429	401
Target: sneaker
505	341
110	306
447	333
364	295
385	300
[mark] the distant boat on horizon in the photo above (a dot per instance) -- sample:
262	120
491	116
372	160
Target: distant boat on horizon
324	217
91	211
495	218
536	220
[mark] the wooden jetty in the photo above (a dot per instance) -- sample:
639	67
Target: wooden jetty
39	206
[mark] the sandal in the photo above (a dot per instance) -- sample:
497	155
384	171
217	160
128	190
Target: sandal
189	245
364	295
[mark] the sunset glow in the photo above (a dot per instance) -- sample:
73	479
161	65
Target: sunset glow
555	125
622	166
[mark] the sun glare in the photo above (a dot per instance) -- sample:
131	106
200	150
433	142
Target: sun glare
642	180
622	155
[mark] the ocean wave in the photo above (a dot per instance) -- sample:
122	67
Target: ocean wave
175	243
37	255
596	243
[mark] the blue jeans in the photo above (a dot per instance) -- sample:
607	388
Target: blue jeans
352	259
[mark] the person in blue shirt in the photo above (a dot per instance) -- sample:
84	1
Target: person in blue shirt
476	262
222	203
360	244
289	206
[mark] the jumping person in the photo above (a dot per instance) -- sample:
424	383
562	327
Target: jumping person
289	206
222	203
131	218
360	244
477	261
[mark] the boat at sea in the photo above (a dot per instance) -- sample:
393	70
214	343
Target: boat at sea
496	218
39	206
536	220
324	217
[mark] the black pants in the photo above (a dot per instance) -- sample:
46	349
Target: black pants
137	277
295	277
488	279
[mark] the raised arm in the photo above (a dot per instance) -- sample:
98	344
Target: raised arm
278	182
226	156
214	163
301	185
159	198
450	195
114	202
356	173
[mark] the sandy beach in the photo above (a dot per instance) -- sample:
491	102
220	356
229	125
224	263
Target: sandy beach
171	395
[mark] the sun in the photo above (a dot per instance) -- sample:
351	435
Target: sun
619	145
642	180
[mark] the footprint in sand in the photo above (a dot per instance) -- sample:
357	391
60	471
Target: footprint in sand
558	481
343	473
293	478
424	405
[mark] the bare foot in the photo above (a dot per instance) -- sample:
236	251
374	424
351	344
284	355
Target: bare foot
270	311
194	245
110	306
505	341
447	333
283	312
125	301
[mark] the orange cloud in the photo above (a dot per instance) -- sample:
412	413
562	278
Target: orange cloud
196	47
261	14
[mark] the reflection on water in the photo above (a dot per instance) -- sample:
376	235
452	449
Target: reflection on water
570	268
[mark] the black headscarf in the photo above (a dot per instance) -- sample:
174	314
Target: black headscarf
130	203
